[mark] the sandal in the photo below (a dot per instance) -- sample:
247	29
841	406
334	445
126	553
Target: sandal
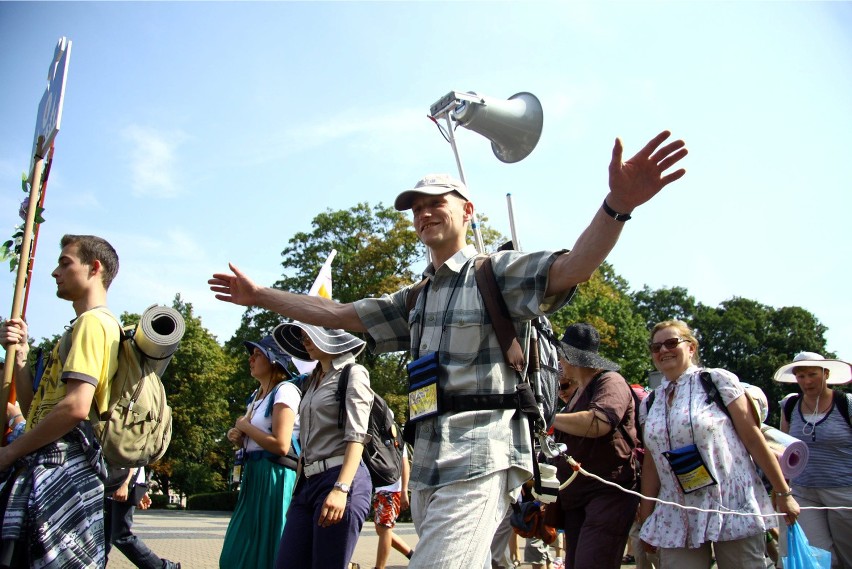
628	559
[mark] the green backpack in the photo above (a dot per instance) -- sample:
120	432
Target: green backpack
136	427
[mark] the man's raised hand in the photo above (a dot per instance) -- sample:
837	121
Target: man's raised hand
636	181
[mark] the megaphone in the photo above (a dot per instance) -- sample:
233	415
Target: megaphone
513	126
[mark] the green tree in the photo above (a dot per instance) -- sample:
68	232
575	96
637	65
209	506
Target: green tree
199	455
752	340
664	304
605	303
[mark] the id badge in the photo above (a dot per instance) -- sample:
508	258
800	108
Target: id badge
689	467
237	471
423	389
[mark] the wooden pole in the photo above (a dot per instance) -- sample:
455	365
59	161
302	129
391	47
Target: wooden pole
21	282
45	176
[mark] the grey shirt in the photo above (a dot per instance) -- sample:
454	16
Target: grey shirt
320	436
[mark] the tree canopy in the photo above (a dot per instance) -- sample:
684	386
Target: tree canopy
605	303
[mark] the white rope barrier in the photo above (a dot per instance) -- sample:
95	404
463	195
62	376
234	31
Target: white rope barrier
579	469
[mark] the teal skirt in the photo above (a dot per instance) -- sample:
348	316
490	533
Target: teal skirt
258	521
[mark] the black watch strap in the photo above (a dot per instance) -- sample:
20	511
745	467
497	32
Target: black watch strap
622	217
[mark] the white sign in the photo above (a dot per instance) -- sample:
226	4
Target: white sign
50	108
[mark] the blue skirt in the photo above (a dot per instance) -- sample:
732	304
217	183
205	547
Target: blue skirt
255	529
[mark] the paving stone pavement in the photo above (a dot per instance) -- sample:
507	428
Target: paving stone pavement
195	539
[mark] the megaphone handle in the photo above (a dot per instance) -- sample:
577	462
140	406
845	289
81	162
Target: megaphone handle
477	234
515	241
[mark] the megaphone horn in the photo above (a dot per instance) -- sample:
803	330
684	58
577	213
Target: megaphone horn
513	126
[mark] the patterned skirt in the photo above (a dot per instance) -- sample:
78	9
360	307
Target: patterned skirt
54	510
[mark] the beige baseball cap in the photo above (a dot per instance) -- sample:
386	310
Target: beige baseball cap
433	185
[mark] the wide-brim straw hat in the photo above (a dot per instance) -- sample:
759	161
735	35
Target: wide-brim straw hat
330	341
839	372
580	345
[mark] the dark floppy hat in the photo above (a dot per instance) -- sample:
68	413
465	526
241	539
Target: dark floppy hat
580	345
288	336
271	351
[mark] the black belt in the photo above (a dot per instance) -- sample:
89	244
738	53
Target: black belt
285	461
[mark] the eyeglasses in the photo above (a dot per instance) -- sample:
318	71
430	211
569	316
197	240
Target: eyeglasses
670	344
564	386
305	339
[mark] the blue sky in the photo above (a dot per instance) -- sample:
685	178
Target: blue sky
197	133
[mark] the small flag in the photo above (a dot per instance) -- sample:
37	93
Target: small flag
322	284
321	287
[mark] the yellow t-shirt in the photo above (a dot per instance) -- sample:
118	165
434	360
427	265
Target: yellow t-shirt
93	358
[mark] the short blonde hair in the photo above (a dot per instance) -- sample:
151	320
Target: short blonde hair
683	330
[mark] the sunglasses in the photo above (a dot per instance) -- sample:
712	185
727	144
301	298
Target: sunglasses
670	344
305	339
564	386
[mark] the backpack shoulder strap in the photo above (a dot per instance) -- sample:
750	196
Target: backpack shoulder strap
714	395
636	404
65	345
543	332
109	313
843	401
414	294
271	401
712	391
649	401
65	340
789	405
340	395
495	305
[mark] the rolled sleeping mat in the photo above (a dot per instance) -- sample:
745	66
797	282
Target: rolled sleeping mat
791	453
158	335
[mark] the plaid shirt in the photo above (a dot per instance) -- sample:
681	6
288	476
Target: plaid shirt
450	318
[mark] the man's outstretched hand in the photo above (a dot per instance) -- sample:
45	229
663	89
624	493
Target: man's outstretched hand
236	287
636	181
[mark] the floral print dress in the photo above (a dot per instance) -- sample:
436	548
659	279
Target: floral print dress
739	488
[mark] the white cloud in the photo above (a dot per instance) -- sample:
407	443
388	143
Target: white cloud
351	124
153	161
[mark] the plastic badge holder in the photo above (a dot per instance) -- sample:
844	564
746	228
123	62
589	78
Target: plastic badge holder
423	395
689	468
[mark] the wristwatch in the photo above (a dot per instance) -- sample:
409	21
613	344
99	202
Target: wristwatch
342	486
